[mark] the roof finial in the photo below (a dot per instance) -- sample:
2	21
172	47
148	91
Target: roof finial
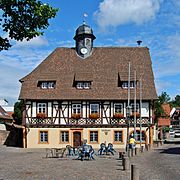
85	15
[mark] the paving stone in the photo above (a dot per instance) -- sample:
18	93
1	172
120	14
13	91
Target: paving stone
162	163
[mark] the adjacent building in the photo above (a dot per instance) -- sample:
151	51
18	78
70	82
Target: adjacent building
81	94
175	118
5	116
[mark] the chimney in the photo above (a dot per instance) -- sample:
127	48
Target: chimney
139	42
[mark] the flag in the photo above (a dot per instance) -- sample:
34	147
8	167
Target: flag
85	15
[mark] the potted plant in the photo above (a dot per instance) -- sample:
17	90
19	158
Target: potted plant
41	115
137	115
94	116
75	116
118	116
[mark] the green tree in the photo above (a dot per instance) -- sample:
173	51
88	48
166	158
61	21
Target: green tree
24	19
176	102
17	115
163	98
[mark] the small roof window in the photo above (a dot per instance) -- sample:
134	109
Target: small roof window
47	84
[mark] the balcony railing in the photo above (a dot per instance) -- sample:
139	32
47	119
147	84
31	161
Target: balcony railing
46	120
88	121
83	121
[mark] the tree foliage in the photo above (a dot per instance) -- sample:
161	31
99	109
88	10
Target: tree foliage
163	98
18	110
176	102
24	19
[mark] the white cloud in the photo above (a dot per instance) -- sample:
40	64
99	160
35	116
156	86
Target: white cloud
171	64
116	12
67	43
17	62
35	42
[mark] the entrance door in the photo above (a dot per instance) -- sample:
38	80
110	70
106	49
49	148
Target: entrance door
76	139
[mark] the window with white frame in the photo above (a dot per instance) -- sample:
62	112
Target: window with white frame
44	85
76	108
132	84
118	136
125	84
80	85
43	137
86	85
51	85
118	108
133	107
94	108
83	85
64	136
41	108
93	136
47	84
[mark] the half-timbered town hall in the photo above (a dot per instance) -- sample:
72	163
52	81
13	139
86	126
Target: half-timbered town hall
82	93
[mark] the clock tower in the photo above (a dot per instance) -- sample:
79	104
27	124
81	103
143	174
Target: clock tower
84	40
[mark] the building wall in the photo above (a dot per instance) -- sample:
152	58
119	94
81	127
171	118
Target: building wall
105	135
106	111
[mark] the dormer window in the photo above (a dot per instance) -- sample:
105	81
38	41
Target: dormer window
125	84
83	85
47	84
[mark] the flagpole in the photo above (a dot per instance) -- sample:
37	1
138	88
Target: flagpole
128	110
140	112
135	105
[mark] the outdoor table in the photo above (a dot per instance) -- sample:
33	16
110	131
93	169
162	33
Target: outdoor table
55	152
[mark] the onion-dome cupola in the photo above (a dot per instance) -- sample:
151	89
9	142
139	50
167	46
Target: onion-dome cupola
84	40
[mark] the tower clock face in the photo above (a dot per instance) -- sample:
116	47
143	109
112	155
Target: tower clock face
84	50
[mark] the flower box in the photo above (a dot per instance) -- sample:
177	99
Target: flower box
118	116
137	115
94	116
75	116
41	115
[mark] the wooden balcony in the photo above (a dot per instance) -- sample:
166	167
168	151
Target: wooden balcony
46	120
88	122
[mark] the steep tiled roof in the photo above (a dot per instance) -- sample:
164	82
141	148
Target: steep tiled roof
4	115
104	68
167	109
165	119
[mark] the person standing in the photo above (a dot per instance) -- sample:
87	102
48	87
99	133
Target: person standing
132	143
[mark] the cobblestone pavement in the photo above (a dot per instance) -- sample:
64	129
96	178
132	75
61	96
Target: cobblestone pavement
162	163
30	164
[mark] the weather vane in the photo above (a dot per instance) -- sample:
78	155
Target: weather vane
85	15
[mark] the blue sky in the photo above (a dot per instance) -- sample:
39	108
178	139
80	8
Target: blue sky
115	23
